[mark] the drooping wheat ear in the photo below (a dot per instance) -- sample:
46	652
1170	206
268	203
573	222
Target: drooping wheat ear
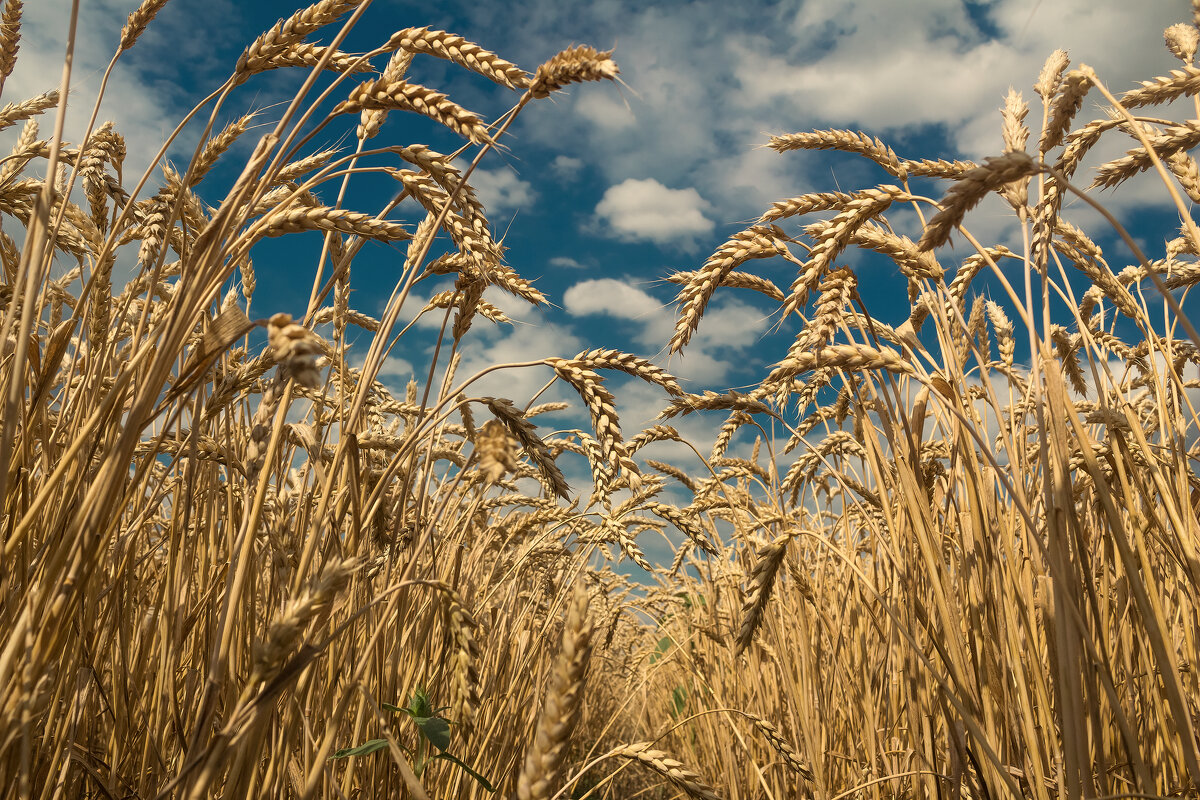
522	429
295	349
734	280
847	142
138	20
834	236
372	118
762	581
686	525
838	288
602	407
839	356
10	36
780	745
573	65
714	401
1067	346
1182	40
460	51
759	241
1050	77
482	307
725	434
317	598
13	113
287	32
563	704
674	771
805	467
629	364
1174	139
913	263
400	94
937	168
970	189
1073	88
338	220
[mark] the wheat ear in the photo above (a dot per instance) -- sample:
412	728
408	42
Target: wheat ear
762	581
563	704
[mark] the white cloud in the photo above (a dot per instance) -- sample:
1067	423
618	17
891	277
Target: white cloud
501	191
644	209
729	329
566	167
565	262
617	298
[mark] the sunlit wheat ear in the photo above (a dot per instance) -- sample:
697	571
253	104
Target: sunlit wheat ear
1050	78
1182	39
760	241
676	774
523	431
495	451
573	65
288	32
762	581
452	47
781	746
405	96
295	349
563	704
970	189
835	235
464	704
602	408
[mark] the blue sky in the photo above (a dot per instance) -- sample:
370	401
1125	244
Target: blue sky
607	189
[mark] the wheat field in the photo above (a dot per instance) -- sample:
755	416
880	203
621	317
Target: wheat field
959	556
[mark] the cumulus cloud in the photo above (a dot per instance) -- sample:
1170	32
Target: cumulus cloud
501	191
622	300
721	346
565	262
644	209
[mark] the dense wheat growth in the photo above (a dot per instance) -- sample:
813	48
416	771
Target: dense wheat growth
953	555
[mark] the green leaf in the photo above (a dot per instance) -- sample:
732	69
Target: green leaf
419	705
679	699
435	729
362	749
392	708
664	644
484	782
